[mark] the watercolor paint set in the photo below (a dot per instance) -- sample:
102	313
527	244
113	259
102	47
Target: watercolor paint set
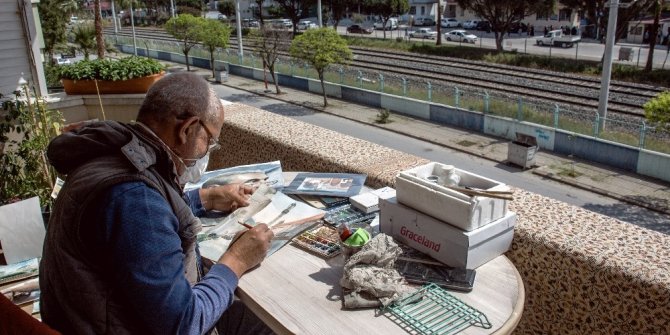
321	240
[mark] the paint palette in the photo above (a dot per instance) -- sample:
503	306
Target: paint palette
321	240
346	214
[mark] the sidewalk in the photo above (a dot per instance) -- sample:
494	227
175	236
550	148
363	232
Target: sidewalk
621	185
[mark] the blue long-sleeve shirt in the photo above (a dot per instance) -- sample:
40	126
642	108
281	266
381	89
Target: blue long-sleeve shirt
143	248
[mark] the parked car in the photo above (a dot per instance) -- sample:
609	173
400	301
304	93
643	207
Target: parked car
304	25
518	27
250	23
483	26
358	29
556	38
282	24
450	23
423	33
424	21
391	24
470	24
460	35
63	61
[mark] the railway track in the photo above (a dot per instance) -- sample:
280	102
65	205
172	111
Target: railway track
578	91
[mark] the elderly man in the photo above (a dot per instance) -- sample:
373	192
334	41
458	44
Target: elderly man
120	254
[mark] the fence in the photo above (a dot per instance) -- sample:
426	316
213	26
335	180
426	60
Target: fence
586	122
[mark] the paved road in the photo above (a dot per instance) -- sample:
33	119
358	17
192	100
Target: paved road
500	172
586	50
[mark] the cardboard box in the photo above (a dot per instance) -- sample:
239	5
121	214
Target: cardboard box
446	243
453	207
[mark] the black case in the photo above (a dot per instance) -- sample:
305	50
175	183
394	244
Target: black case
418	271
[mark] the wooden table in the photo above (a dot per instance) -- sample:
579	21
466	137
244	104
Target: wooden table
295	292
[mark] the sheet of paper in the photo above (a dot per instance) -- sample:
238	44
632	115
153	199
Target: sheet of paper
215	241
22	230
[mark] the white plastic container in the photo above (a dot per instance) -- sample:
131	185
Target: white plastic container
453	207
446	243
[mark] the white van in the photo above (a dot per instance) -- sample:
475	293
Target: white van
391	24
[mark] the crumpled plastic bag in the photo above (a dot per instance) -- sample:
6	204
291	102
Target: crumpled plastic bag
370	278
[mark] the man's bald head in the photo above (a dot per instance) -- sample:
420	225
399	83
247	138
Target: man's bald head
179	95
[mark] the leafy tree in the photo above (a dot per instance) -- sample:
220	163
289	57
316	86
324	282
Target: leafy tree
270	43
387	8
214	34
339	9
186	29
502	13
259	5
295	9
321	48
84	37
227	8
54	19
657	110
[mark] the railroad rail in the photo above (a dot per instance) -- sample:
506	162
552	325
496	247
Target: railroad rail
579	91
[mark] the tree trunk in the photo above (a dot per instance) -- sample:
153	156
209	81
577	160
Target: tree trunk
323	89
211	61
100	41
384	26
499	40
188	67
652	36
439	26
274	78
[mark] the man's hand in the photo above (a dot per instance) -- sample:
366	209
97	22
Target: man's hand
226	198
248	249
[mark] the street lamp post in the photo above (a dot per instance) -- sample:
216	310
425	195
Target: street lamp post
132	24
320	14
238	17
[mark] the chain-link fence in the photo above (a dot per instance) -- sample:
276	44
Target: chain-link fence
629	131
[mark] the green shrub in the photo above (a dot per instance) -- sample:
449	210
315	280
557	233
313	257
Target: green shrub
383	116
109	69
657	110
51	74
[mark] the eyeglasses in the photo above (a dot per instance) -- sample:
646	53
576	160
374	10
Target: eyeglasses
213	141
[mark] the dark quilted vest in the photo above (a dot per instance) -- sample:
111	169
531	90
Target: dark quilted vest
76	295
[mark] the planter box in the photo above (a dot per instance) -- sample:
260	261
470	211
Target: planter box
135	85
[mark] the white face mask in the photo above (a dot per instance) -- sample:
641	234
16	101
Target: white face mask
193	173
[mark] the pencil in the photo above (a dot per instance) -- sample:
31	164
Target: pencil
245	224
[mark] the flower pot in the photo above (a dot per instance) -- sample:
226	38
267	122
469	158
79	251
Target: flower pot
135	85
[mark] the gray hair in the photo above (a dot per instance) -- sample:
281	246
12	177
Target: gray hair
179	95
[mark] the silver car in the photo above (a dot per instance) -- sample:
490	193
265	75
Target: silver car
460	36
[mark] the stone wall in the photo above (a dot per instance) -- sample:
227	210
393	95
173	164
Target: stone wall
584	273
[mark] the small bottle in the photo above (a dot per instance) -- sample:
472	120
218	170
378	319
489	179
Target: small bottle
450	178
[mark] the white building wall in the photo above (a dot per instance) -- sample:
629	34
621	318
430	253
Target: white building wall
20	43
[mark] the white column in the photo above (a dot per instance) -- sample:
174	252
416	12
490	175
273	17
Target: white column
132	24
239	28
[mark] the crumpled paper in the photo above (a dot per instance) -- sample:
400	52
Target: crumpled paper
370	278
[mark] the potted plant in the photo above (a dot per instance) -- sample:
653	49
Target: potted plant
26	128
107	76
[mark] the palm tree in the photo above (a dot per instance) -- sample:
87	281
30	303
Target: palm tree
85	38
100	41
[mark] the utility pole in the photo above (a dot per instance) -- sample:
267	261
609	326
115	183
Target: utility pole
238	17
320	14
132	24
172	7
607	61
